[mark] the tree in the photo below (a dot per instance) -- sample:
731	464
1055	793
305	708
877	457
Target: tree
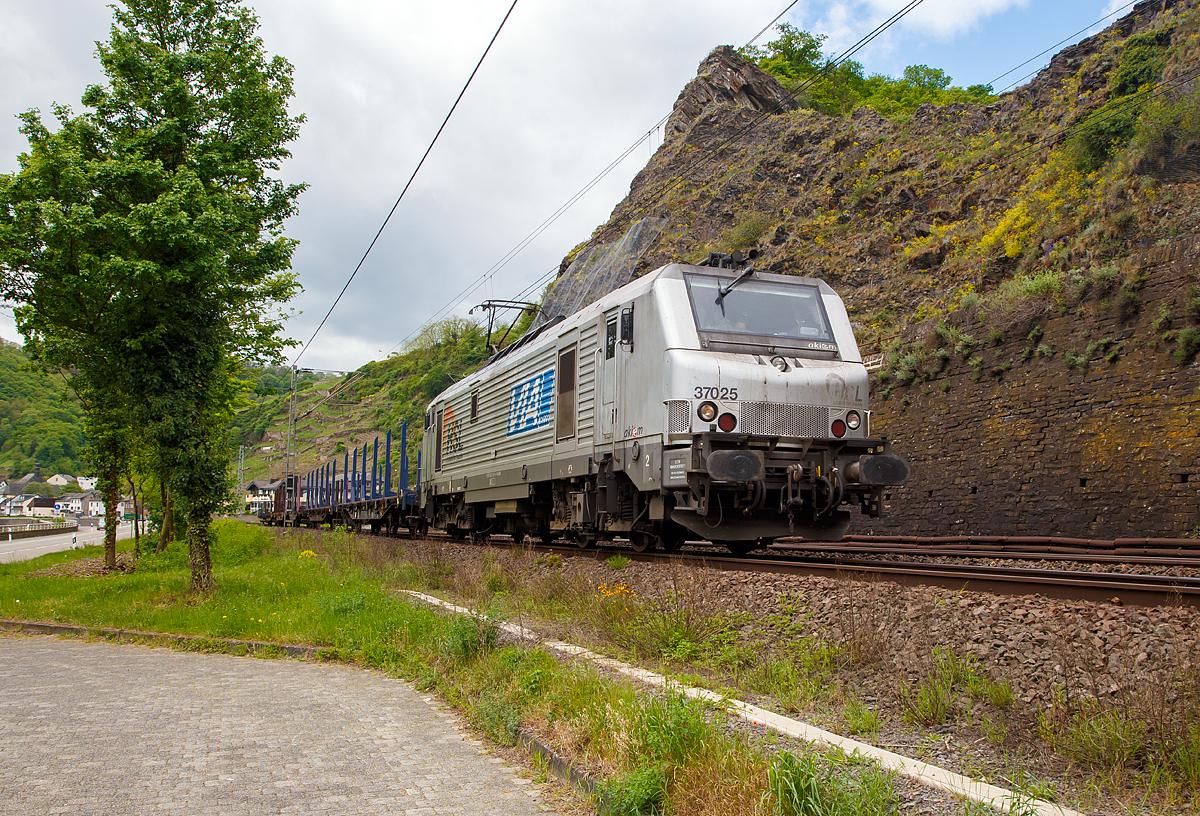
144	240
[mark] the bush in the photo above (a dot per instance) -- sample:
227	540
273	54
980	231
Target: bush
469	636
859	719
667	729
1096	736
1188	341
642	791
745	234
617	561
500	719
803	785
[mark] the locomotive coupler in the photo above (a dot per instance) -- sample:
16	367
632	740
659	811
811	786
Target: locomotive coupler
790	496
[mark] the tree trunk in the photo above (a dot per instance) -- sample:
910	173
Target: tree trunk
109	484
112	495
198	533
167	534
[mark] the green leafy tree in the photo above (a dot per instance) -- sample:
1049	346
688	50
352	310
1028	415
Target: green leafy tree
795	58
144	240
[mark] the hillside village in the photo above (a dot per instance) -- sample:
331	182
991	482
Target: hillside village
59	496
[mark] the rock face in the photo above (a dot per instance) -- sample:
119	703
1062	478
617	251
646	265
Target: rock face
1025	444
724	78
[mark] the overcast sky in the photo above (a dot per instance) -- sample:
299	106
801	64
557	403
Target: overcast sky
568	86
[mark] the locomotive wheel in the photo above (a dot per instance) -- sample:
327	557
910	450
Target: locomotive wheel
670	543
741	548
642	541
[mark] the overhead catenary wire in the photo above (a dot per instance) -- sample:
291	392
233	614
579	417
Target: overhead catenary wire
408	184
767	27
1056	45
466	292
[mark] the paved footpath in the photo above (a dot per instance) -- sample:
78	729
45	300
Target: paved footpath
100	728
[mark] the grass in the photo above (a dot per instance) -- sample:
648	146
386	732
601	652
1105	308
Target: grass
934	699
802	785
617	561
658	752
337	591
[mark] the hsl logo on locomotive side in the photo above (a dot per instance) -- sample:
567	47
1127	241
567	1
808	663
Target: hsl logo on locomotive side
529	403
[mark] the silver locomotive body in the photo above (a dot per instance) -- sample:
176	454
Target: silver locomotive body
692	403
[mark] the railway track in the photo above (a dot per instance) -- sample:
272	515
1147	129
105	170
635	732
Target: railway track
1121	588
1132	589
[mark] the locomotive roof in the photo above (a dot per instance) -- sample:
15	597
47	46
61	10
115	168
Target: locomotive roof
547	333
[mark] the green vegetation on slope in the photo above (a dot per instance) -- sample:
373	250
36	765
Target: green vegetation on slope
38	420
796	60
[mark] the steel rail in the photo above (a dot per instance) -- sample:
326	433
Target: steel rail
1120	588
1058	544
1192	561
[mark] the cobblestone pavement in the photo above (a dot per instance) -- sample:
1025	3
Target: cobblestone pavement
100	728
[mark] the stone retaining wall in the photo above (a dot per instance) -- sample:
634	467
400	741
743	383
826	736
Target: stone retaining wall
1045	449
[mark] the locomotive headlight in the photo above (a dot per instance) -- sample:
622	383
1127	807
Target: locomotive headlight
707	411
779	363
853	420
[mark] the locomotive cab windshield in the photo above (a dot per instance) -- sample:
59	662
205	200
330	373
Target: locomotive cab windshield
760	313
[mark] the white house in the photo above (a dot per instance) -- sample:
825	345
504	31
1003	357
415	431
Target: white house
70	503
18	505
92	504
60	480
86	482
43	507
260	495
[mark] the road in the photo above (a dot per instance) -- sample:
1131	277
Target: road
25	548
99	729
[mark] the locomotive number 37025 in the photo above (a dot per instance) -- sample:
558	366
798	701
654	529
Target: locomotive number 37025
713	392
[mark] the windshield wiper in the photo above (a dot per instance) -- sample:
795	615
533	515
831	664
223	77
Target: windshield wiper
722	291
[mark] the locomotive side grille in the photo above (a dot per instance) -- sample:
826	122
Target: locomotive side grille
679	416
773	419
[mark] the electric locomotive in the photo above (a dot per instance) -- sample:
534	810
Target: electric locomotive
696	402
